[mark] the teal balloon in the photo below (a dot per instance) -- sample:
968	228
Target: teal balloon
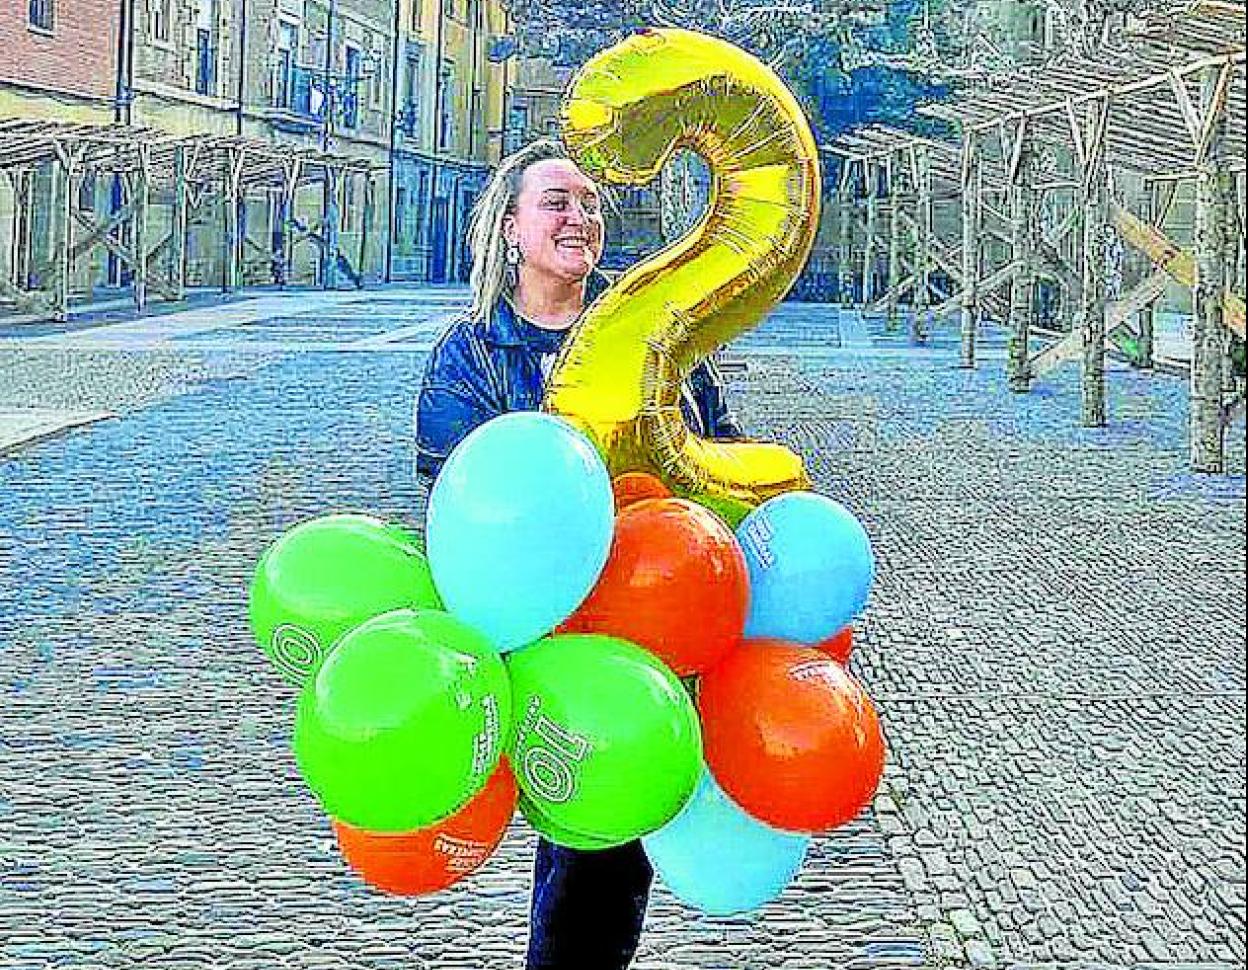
810	565
519	526
326	575
720	860
404	722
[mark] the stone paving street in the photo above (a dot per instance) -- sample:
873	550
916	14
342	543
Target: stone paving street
1056	642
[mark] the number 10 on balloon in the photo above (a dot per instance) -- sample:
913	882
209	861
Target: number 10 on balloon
549	767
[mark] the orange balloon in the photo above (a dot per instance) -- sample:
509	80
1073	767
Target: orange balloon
675	583
838	646
790	735
433	858
633	487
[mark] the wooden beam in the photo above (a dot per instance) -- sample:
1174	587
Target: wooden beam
1147	309
367	217
845	286
1117	319
140	189
62	233
1187	108
96	232
1178	262
290	188
1049	262
1213	121
332	221
175	270
988	285
232	255
127	254
1141	296
1063	229
23	216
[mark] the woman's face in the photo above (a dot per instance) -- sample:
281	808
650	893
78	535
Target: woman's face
557	223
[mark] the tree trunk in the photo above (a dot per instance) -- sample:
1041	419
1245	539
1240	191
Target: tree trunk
1022	290
971	215
1095	204
894	239
1213	192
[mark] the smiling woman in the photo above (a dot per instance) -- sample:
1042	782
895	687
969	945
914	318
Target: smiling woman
536	239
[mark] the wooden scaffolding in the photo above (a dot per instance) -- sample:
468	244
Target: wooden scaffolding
205	176
1036	183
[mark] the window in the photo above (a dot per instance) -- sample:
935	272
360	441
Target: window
446	102
411	84
419	200
206	48
378	80
400	215
415	24
205	62
517	127
476	122
351	87
41	14
162	16
409	95
284	65
349	207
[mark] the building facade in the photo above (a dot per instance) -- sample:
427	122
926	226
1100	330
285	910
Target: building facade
300	74
405	87
58	62
449	132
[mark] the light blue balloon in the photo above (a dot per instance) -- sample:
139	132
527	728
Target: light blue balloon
519	526
717	858
810	564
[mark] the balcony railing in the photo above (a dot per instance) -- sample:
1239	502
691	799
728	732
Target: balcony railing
300	101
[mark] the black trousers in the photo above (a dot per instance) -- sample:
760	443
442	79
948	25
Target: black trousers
588	907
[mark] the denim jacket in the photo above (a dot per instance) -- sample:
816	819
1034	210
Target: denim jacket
479	371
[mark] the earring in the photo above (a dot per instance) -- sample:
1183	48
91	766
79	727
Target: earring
513	255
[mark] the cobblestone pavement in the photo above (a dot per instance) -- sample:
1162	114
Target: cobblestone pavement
1055	642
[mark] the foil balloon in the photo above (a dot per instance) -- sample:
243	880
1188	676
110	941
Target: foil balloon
619	375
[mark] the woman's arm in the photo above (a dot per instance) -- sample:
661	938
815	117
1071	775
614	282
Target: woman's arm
455	397
707	386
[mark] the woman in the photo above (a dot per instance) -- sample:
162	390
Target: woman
536	238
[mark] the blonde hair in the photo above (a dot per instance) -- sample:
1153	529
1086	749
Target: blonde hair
490	278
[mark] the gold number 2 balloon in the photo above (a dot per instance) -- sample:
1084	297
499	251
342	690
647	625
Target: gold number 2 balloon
619	375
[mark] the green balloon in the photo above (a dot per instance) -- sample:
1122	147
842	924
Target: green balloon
404	722
327	575
731	510
410	536
606	743
556	833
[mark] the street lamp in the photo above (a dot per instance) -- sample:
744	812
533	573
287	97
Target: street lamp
334	95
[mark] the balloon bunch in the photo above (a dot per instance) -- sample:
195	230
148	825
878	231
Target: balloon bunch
611	658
